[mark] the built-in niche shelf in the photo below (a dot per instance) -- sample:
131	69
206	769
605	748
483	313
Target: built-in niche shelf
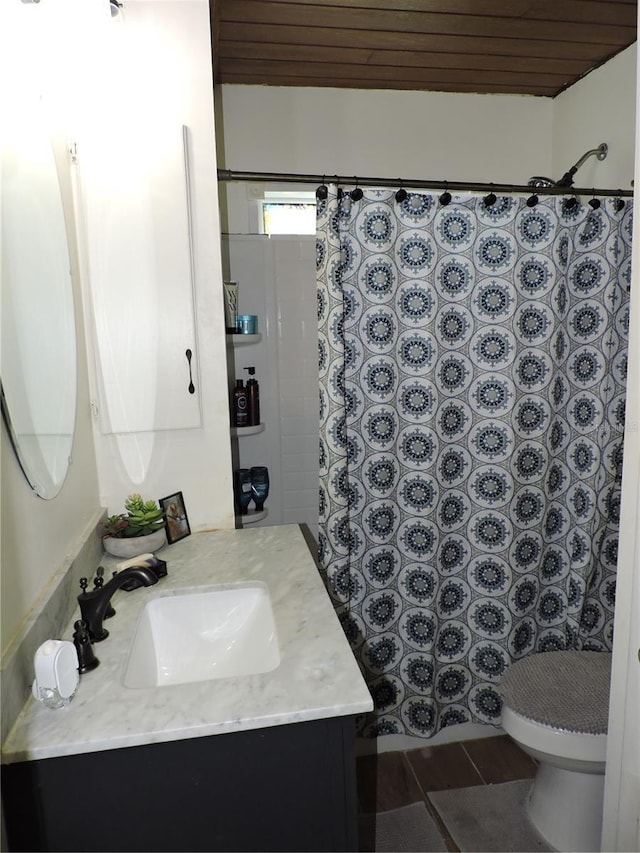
233	340
252	516
247	430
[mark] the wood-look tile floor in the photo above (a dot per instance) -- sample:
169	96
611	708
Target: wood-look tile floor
394	779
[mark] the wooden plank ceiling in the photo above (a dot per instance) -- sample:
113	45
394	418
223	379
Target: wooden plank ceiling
534	47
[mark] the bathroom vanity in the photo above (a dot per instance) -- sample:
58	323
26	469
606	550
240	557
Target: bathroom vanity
260	761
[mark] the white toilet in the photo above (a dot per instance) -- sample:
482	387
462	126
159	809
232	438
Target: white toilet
556	707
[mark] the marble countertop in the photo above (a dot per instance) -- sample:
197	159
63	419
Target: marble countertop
317	677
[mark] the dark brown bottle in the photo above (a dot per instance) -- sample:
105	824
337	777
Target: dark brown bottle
240	405
253	394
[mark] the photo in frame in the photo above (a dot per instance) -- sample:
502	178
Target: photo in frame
175	513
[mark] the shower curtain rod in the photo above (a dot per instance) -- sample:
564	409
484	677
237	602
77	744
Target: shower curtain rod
452	186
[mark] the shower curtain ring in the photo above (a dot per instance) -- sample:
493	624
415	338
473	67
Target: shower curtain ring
532	200
356	193
401	194
594	203
322	191
490	199
445	197
618	204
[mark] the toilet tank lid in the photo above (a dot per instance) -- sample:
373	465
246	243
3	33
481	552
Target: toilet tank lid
565	690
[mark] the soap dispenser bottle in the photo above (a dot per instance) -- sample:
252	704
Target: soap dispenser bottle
240	405
253	394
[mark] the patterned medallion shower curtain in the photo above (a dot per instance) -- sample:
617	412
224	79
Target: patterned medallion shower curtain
472	390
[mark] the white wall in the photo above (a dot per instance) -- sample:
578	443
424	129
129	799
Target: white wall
428	135
175	65
501	138
599	108
379	132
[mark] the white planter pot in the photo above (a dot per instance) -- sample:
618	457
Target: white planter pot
136	545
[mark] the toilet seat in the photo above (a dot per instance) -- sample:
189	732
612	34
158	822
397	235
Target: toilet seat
565	690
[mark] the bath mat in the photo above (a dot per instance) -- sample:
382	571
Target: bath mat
491	818
405	830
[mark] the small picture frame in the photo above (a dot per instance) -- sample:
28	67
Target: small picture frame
175	513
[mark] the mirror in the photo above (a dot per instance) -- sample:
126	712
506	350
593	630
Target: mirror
38	363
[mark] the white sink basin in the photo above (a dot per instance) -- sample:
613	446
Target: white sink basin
198	635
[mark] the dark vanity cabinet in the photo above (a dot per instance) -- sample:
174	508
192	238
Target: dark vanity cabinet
289	787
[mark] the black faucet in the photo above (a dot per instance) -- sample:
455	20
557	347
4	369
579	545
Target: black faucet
94	604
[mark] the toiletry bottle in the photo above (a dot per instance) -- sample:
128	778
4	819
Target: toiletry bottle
253	393
240	405
230	306
242	490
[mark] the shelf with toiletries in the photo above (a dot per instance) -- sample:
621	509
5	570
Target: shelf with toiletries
253	516
237	339
251	486
251	481
245	405
239	327
247	430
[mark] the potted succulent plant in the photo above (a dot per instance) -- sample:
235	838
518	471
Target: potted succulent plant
138	530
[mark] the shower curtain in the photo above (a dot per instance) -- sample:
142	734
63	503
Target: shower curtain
472	389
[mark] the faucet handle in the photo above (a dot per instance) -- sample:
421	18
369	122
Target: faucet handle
82	641
98	583
99	578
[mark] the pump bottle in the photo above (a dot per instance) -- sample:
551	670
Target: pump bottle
253	394
240	405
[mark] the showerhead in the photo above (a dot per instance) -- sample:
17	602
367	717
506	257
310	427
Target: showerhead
567	179
538	181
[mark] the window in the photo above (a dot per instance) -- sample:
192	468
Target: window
287	213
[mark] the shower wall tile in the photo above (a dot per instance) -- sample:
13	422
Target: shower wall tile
311	408
301	503
295	306
298	386
290	330
300	462
306	369
248	259
297	497
300	407
278	274
298	426
310	329
297	480
301	444
292	407
298	377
